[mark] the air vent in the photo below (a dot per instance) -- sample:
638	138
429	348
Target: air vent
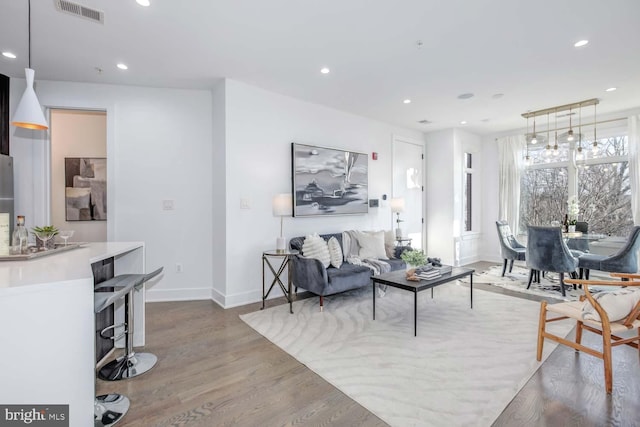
424	122
80	10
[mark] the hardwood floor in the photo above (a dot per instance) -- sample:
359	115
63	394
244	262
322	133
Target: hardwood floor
214	370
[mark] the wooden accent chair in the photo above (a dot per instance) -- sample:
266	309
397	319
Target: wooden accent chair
604	327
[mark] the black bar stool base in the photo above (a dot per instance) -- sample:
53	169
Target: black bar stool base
109	409
127	366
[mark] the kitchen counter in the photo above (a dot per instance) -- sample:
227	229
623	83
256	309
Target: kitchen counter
47	326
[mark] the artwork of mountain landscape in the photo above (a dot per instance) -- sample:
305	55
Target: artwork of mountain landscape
328	181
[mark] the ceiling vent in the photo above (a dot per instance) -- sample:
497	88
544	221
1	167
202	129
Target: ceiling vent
424	122
80	10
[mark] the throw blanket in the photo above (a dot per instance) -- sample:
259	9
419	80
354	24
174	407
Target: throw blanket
376	265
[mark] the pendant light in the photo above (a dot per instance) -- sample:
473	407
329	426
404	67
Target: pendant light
29	112
579	155
527	159
595	148
570	133
534	140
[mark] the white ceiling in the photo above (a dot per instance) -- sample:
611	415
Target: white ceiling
523	50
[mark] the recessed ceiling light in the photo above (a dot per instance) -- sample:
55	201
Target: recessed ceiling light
611	89
485	120
9	55
407	101
581	43
144	3
465	96
464	122
122	66
325	70
424	122
497	95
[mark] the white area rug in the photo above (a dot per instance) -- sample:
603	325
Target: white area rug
462	369
519	277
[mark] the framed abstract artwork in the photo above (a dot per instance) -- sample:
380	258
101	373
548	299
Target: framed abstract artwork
328	181
85	188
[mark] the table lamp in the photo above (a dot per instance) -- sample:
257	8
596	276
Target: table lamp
282	206
397	206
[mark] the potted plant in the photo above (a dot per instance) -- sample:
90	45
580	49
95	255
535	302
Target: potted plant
44	236
414	258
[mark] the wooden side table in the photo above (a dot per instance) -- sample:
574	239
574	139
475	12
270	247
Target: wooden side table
285	263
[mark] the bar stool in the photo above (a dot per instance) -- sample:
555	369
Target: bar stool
131	364
108	409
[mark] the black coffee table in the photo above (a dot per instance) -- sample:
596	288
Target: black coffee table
397	279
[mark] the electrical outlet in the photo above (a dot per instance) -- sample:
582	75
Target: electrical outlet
179	267
167	205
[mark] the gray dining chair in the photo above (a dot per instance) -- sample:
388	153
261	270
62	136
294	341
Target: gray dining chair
623	261
510	248
547	252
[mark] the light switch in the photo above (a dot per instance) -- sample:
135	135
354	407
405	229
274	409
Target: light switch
167	205
245	204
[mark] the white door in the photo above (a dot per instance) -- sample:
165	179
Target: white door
408	183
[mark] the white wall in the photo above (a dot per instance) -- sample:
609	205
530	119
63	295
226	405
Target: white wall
159	147
440	194
75	133
260	127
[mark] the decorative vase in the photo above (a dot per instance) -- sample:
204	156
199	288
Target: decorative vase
572	229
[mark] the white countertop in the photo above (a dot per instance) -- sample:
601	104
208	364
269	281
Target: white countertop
72	265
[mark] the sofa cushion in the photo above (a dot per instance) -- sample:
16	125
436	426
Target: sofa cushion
316	247
335	252
371	244
390	243
347	277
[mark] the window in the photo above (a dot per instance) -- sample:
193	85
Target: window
468	180
600	179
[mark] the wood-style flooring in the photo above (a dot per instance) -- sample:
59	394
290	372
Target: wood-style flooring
214	370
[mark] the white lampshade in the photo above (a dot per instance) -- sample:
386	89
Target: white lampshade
282	205
29	113
397	204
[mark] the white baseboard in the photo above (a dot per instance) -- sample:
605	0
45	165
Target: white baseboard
236	300
165	295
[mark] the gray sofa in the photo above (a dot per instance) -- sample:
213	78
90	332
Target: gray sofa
311	275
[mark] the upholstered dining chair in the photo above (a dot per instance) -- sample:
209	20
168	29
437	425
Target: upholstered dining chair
547	251
510	248
605	314
623	261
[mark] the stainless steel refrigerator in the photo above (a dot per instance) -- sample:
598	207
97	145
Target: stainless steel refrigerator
6	189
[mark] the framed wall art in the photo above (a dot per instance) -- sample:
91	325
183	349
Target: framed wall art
328	181
85	188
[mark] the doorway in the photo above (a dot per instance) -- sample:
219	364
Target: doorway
79	139
408	183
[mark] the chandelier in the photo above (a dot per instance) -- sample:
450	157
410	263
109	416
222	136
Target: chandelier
575	140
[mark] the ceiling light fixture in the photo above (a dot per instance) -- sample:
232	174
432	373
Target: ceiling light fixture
570	133
145	3
465	96
407	101
325	70
534	140
595	148
122	66
527	158
9	55
581	43
29	112
612	89
464	122
579	154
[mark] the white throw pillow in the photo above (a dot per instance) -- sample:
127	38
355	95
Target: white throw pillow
617	304
316	247
371	244
390	243
335	252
